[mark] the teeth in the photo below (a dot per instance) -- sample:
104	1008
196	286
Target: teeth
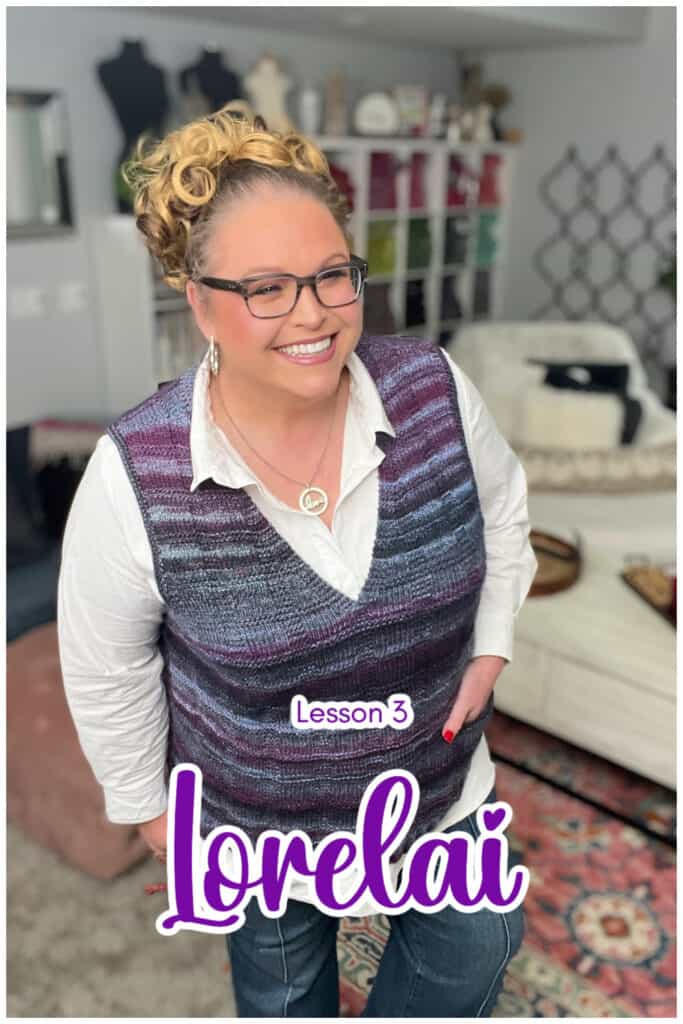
299	350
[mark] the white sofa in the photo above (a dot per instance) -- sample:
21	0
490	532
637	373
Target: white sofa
593	664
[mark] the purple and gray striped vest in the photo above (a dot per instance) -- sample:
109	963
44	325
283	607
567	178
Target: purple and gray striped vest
249	624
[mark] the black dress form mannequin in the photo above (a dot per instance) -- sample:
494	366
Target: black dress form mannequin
137	91
218	84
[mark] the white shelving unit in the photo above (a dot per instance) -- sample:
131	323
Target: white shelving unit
147	332
435	246
445	246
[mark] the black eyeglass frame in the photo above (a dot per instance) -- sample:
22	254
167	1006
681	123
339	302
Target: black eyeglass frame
222	284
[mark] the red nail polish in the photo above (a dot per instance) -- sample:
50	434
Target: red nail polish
154	888
448	735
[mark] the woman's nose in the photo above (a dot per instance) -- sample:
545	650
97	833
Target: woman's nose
308	304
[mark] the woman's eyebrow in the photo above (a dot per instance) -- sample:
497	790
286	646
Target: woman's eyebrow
268	270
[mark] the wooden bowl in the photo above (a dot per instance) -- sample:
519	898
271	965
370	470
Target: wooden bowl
559	563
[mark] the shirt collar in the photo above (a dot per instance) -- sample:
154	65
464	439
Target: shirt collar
213	456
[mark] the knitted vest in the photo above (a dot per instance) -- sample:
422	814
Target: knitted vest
249	624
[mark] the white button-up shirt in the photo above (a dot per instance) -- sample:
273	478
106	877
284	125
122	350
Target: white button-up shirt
110	608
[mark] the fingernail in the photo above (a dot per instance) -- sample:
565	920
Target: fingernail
448	735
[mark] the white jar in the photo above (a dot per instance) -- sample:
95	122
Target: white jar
310	104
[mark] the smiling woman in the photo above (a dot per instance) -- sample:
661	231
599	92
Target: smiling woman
250	319
301	515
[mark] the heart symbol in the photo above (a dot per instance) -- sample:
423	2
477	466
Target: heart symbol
492	819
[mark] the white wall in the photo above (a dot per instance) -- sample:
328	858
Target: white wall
53	364
588	96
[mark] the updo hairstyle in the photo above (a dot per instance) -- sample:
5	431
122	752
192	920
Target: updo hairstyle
184	182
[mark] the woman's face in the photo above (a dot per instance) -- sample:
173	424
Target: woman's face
283	231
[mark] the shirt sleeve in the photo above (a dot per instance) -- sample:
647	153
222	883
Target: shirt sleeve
109	613
501	482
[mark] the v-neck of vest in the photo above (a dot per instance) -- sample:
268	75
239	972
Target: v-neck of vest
318	583
328	594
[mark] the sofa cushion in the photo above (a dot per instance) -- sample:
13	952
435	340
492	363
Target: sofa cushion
568	420
604	378
560	341
504	389
502	343
52	794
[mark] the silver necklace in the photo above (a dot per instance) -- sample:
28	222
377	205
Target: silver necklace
312	500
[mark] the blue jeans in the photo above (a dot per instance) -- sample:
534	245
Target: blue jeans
446	964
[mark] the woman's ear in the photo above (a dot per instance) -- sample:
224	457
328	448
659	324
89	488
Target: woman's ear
198	307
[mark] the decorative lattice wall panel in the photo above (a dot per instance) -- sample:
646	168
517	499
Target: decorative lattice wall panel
615	234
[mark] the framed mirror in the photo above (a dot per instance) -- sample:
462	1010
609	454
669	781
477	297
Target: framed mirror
38	188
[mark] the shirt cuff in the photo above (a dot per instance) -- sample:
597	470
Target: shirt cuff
129	810
494	634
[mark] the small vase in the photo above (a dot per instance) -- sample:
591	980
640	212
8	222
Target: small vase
310	104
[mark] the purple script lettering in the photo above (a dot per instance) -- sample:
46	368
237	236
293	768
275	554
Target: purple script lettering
439	869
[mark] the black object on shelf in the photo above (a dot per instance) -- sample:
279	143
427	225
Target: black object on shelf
415	304
451	309
378	317
458	230
481	303
671	388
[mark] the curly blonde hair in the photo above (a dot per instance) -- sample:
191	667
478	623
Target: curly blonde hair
184	181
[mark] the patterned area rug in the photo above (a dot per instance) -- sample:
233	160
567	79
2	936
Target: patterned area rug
608	787
601	905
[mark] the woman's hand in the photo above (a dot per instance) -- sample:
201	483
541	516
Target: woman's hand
475	689
154	834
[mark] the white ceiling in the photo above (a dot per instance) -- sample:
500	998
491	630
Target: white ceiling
452	28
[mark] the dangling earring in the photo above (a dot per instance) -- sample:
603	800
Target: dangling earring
214	356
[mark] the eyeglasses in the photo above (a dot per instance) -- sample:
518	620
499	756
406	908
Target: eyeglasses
271	295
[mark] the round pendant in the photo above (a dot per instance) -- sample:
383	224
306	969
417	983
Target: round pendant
313	501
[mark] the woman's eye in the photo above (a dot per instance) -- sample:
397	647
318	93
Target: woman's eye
266	289
332	274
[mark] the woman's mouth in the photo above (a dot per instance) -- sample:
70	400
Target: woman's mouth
313	352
